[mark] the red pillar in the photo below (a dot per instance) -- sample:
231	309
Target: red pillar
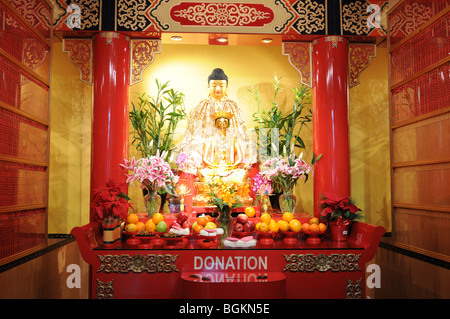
330	117
111	65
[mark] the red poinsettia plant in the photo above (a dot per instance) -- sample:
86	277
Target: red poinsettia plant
339	209
110	201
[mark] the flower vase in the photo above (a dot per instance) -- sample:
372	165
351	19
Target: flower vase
225	221
340	230
152	202
287	201
109	233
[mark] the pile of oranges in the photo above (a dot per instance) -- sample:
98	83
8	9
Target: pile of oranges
133	225
314	227
203	222
287	223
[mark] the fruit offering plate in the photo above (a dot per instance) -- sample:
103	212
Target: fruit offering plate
241	234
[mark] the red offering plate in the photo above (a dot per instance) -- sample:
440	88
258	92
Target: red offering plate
266	238
313	238
290	237
240	234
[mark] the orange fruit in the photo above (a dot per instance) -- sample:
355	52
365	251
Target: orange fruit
283	225
208	218
132	218
197	228
257	226
266	218
131	228
306	227
210	225
274	227
158	217
314	229
150	226
322	228
314	220
263	227
202	220
288	216
140	226
250	211
295	225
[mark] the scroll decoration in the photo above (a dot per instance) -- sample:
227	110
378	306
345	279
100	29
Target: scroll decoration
137	263
359	58
353	290
105	290
80	54
321	263
299	54
142	55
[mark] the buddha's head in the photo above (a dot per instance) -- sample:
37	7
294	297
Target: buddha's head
217	83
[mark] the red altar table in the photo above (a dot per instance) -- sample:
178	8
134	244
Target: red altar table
187	268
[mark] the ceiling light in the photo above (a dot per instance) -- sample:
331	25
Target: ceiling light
266	40
222	39
176	38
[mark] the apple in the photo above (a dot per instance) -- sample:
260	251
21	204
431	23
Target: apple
176	224
238	227
242	218
182	217
249	226
186	224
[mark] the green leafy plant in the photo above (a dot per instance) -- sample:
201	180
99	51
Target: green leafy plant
155	118
289	124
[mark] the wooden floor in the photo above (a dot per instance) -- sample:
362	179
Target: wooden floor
44	277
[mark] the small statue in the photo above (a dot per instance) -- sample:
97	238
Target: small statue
222	155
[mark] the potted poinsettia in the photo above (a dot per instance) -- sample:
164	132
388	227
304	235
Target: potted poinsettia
339	212
110	205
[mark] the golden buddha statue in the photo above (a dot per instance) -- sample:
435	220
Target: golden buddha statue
201	126
216	137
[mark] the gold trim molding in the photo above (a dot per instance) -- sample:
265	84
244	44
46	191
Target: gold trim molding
321	263
137	263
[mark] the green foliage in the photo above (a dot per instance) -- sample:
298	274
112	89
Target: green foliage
155	119
289	124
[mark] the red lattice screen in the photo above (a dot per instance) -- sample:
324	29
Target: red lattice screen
427	93
411	15
425	49
24	114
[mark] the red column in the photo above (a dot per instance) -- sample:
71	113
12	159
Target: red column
111	64
330	117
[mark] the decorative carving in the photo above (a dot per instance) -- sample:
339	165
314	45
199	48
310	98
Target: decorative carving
142	55
221	14
359	56
80	53
299	54
353	290
354	18
131	15
321	263
310	17
34	53
137	263
105	290
409	18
